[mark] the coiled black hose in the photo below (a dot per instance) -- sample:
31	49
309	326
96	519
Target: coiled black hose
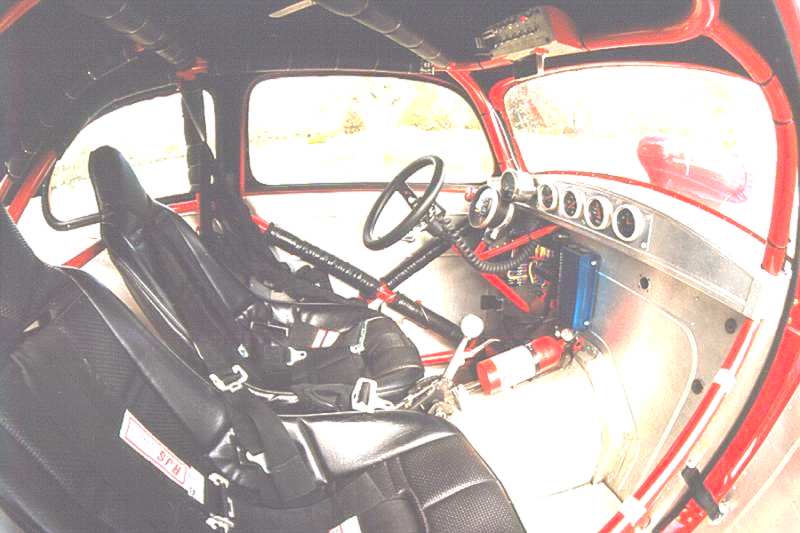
456	237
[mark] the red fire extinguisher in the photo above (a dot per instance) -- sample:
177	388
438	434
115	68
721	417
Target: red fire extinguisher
520	363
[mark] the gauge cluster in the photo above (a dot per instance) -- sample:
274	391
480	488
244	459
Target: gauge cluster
608	214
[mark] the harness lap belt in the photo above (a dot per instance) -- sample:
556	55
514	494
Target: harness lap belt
361	281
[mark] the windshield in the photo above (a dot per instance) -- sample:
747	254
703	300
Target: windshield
338	129
704	134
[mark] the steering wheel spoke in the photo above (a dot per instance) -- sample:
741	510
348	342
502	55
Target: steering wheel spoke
408	195
423	208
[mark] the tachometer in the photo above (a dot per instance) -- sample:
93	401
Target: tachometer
628	222
571	203
487	209
598	212
548	197
516	186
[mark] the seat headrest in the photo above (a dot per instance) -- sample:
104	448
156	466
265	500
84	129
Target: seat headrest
121	198
25	284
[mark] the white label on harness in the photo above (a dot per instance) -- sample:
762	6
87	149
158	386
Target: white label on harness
351	525
156	452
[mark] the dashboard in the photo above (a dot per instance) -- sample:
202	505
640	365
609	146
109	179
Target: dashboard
604	217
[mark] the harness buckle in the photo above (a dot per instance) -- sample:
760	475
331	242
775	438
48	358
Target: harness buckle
365	397
218	522
234	385
295	356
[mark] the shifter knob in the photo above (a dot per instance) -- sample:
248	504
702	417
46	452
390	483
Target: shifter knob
471	326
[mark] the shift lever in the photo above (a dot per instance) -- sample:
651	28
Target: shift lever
471	327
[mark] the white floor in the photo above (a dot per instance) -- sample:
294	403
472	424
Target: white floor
543	439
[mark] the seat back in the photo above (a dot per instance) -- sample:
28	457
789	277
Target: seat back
73	361
188	296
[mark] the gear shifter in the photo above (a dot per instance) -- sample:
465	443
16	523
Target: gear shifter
437	395
471	327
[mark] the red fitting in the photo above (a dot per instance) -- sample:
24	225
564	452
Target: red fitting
200	66
385	293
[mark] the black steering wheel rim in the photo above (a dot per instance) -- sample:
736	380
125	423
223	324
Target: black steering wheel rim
420	208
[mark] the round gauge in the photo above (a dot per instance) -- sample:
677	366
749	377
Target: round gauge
598	212
571	203
517	186
628	222
548	197
486	209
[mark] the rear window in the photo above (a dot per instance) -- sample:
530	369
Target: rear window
149	133
334	129
704	134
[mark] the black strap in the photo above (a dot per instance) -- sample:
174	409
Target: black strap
700	493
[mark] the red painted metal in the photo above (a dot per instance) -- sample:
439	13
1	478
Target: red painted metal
676	456
452	188
199	67
31	184
654	187
784	376
185	208
485	255
86	255
5	186
18	10
700	16
385	293
786	171
262	224
436	358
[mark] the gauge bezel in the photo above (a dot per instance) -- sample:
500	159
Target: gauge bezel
639	222
579	200
556	197
487	220
608	210
524	186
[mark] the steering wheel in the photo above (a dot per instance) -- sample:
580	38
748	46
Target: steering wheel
420	206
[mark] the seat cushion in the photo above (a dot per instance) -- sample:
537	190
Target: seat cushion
424	460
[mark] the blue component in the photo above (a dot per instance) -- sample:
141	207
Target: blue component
577	287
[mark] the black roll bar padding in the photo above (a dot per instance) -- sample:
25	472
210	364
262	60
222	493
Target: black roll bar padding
361	281
122	17
369	14
336	267
416	262
425	317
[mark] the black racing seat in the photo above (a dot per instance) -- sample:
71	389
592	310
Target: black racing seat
195	302
104	428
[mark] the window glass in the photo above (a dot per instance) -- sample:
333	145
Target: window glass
149	133
704	134
317	129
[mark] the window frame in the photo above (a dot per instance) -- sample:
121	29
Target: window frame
109	107
250	185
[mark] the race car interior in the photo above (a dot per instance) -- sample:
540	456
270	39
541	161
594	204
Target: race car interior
529	344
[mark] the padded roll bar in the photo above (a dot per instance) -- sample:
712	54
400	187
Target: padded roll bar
368	14
122	17
362	281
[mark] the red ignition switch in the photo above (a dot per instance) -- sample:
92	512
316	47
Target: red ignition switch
519	364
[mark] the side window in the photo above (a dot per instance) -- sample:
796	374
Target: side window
338	129
149	133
